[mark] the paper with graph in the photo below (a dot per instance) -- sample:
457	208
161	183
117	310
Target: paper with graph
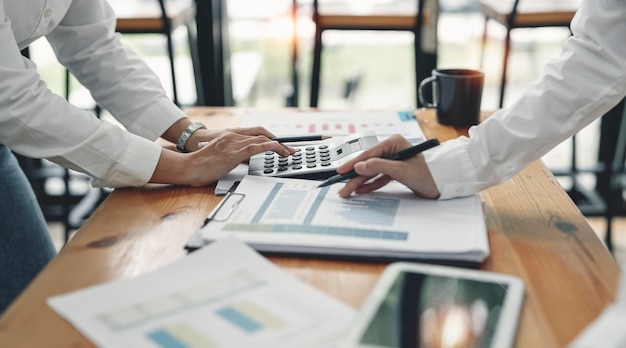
224	295
293	216
337	123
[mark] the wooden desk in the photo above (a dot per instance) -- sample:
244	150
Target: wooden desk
535	232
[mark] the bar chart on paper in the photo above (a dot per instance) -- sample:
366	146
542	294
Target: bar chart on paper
294	207
338	123
295	216
375	211
246	317
225	295
250	317
180	335
225	312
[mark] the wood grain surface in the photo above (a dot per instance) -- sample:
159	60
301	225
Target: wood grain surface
535	232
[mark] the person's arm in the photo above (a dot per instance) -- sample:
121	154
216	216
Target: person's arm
86	42
586	81
38	123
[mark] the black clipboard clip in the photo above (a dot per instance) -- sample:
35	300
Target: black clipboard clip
225	208
222	211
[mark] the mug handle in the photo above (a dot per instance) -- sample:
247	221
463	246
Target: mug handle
421	95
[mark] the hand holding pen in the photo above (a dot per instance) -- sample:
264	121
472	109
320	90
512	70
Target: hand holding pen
392	159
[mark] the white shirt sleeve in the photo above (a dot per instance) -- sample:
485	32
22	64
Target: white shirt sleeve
38	123
86	42
586	81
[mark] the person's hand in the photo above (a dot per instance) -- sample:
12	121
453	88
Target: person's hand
225	151
376	172
204	137
207	135
214	160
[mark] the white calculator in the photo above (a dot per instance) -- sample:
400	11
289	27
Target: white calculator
317	161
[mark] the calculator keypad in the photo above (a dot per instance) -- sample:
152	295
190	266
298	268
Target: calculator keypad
312	161
305	157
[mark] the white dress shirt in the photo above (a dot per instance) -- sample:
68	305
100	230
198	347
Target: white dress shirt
38	123
583	84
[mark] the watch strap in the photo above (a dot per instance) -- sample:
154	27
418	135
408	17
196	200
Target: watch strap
184	137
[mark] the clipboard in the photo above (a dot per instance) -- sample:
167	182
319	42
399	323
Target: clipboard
286	216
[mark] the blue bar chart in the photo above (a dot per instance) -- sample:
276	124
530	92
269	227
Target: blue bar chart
377	211
250	317
293	208
180	335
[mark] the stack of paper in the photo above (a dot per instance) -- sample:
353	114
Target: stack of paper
225	295
294	216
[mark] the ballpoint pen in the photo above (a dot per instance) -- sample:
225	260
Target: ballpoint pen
292	139
298	138
400	156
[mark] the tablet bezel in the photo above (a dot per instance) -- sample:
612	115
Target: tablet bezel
506	329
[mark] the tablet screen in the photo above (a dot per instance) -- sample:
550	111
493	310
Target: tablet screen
422	310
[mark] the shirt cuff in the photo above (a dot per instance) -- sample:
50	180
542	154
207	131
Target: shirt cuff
451	169
135	167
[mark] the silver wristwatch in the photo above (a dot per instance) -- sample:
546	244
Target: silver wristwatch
184	137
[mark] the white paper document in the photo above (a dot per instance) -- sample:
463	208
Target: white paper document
337	123
294	216
224	295
608	329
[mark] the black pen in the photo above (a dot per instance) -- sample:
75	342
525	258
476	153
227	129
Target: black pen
300	138
400	156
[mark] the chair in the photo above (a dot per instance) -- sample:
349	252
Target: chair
514	14
397	15
158	17
614	175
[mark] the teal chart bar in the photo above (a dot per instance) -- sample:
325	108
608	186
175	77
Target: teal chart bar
318	229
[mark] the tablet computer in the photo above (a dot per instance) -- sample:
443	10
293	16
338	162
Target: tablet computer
420	305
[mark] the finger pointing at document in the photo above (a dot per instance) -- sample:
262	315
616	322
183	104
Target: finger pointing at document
372	163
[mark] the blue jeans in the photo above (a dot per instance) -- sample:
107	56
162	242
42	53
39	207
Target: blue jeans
25	243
